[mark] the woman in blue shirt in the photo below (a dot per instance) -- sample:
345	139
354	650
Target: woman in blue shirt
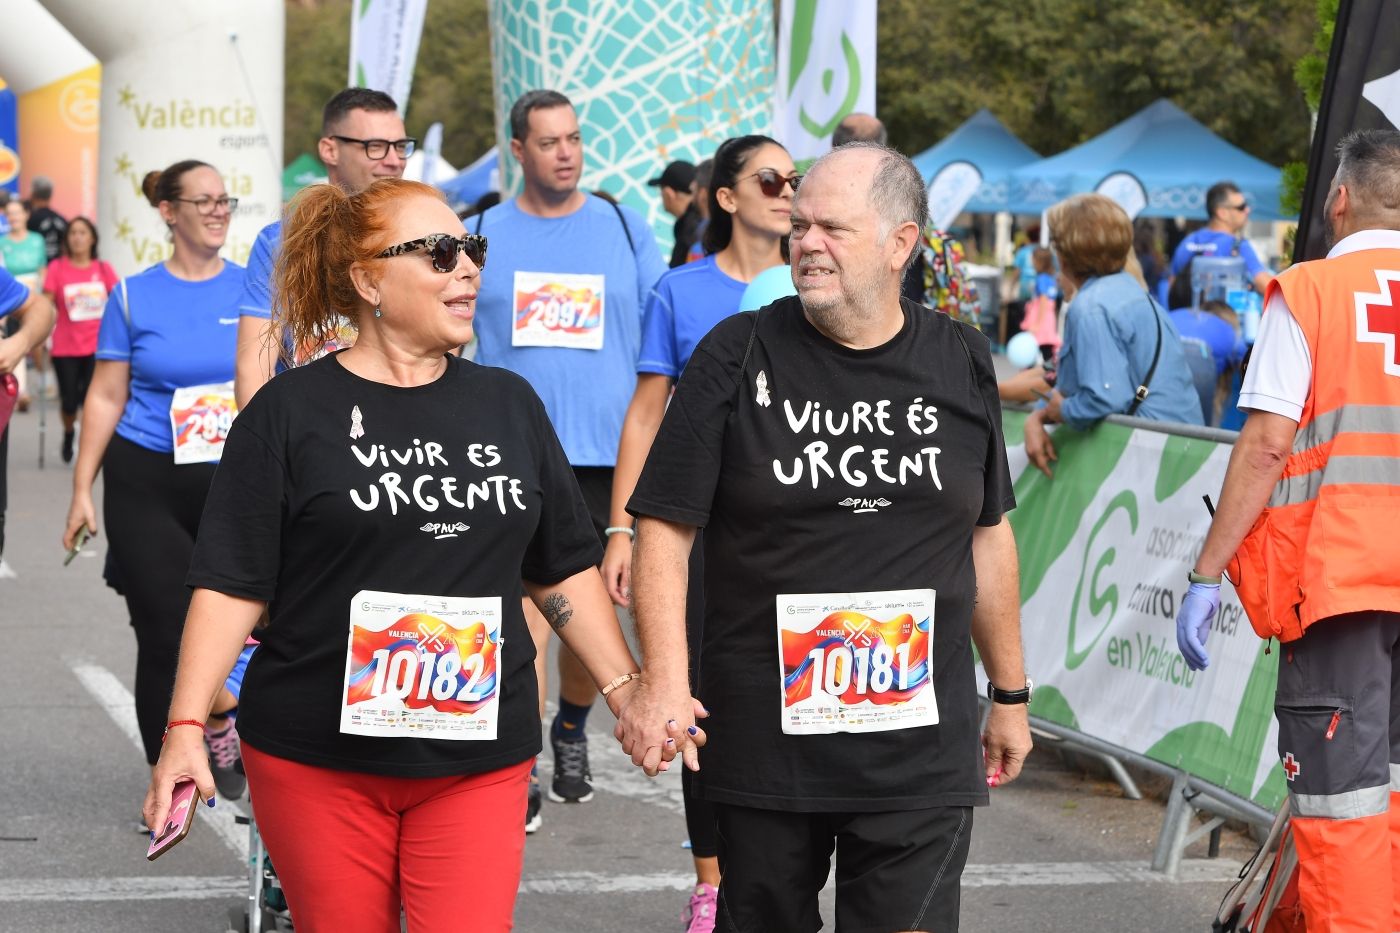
750	205
156	413
1116	337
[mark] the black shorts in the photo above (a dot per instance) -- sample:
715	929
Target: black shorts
897	870
596	485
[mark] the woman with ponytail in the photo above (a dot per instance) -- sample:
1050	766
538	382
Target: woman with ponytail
382	505
155	413
750	204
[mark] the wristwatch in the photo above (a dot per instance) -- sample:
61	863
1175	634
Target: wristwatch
1010	697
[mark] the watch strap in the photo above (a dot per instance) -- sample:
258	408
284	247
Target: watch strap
1194	577
1010	697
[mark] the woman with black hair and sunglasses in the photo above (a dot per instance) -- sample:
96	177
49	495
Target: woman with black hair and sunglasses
750	205
382	505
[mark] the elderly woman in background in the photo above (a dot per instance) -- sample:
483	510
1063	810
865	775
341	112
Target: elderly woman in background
1121	355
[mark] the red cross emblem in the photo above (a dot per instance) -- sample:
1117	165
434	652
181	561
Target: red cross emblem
1378	318
1291	768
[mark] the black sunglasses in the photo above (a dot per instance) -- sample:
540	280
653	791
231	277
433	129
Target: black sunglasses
771	183
443	249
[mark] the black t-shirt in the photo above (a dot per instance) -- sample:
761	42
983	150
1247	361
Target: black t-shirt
840	498
330	485
684	229
49	224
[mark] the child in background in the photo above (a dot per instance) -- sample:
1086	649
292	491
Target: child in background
1041	320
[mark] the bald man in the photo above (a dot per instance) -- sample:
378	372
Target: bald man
859	127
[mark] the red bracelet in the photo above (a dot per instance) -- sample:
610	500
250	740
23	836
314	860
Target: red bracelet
179	722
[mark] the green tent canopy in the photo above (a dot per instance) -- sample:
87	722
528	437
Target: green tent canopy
305	170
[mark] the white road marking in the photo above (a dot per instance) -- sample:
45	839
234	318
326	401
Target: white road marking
69	890
111	694
1049	874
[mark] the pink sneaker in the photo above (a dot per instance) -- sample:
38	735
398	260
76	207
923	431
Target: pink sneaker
699	916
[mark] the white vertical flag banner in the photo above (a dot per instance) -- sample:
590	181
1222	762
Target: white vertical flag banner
826	71
384	38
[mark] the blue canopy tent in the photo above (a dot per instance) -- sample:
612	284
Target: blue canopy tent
468	185
984	142
1174	157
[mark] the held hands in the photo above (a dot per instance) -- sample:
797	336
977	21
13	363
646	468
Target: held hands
1198	610
182	758
1006	742
654	725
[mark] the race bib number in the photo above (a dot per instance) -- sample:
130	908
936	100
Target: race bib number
200	417
308	352
856	662
85	301
423	667
558	310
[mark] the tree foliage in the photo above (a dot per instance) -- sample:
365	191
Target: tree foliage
451	79
1058	72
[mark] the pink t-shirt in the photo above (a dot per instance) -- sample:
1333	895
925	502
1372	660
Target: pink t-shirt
80	295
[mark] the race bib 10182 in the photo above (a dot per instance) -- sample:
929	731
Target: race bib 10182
856	662
425	667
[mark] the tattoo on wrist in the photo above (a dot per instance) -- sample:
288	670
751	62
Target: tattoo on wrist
557	611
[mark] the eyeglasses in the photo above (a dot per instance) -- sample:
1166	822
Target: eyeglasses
1242	206
771	183
207	206
376	149
443	249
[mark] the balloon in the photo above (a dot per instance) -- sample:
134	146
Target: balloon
767	287
1022	350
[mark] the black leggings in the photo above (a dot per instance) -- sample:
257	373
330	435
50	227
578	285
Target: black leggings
151	508
699	813
74	376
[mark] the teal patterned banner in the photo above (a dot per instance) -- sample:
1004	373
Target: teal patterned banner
653	80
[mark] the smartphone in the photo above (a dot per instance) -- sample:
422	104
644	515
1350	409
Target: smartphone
83	536
183	802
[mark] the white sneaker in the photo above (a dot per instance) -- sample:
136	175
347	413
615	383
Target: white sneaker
6	571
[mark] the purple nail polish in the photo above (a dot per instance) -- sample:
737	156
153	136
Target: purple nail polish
211	801
670	723
670	741
693	731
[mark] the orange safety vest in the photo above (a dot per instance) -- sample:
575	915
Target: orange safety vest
1329	541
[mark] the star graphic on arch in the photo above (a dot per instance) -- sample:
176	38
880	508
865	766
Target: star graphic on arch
123	164
123	230
126	96
1378	318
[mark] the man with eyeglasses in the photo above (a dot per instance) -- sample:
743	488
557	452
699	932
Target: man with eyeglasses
562	306
1223	236
362	140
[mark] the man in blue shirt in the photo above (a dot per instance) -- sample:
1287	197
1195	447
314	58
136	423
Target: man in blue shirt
36	316
362	140
561	304
1228	210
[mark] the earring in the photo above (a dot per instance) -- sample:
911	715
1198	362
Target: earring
378	313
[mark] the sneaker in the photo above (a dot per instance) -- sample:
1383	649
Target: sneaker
699	915
534	801
571	774
67	446
224	758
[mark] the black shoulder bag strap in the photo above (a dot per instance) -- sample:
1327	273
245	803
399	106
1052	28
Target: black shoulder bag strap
622	220
1142	392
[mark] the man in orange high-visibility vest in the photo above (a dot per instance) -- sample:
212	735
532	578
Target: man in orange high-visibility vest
1310	512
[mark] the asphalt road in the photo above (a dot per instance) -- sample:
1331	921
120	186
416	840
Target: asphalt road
1056	850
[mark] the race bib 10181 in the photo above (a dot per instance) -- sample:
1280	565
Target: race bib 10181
856	662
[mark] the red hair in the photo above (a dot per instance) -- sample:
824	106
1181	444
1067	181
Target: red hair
325	232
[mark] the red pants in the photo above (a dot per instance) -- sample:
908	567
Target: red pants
350	847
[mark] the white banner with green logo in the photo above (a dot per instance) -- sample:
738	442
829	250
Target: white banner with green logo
1105	548
826	71
384	37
